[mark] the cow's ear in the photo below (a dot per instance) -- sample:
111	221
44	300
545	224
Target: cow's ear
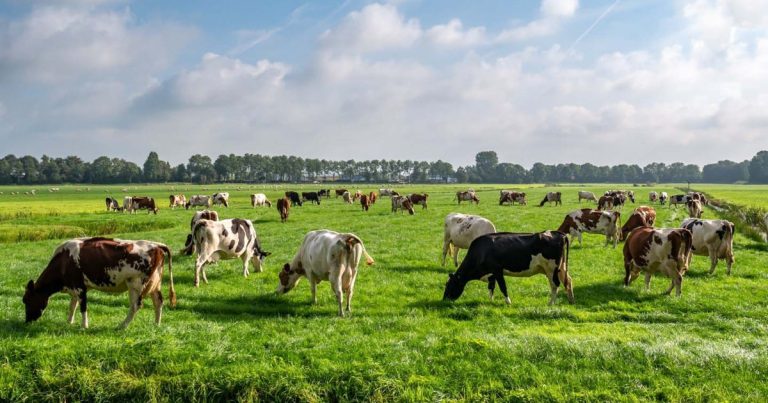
31	285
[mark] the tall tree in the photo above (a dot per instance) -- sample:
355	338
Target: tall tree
758	168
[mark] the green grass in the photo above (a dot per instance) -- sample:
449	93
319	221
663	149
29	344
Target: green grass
233	339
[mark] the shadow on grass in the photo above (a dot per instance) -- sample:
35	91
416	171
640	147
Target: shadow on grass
265	305
424	269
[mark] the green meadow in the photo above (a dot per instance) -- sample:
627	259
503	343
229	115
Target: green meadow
233	339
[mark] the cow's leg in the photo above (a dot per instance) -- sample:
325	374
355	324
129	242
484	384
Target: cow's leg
503	286
712	260
134	293
84	307
648	276
446	248
491	287
313	289
455	251
246	257
349	289
553	288
198	268
72	306
729	261
336	285
157	302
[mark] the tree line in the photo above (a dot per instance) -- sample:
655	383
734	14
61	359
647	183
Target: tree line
256	168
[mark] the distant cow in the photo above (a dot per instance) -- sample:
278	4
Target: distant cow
552	197
199	201
189	244
347	197
592	222
112	204
713	238
677	200
511	197
340	192
110	265
643	216
324	192
605	203
326	255
653	197
417	199
492	256
662	250
365	203
283	207
663	197
293	197
177	201
694	208
143	203
469	196
386	192
402	203
220	198
311	196
459	232
226	239
619	200
584	195
260	199
372	197
356	195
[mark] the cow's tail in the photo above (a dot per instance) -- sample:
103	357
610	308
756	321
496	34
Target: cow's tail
688	240
563	265
353	240
172	290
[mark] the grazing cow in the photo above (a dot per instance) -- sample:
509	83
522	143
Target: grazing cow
643	216
386	192
512	197
694	208
665	250
177	200
459	232
142	203
226	239
619	200
631	196
260	199
127	204
189	244
340	192
552	197
677	200
402	203
326	255
417	199
356	195
653	197
199	200
311	196
365	202
220	198
713	238
293	197
469	196
283	207
663	197
584	195
592	222
112	204
346	197
324	192
492	256
372	197
605	203
109	265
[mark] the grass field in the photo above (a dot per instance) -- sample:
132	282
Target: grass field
233	339
744	195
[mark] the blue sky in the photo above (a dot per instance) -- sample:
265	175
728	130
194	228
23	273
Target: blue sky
606	82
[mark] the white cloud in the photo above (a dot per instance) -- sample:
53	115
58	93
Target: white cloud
553	12
375	27
453	34
559	8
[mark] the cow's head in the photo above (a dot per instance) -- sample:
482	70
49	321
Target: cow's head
259	256
35	302
288	278
453	288
409	206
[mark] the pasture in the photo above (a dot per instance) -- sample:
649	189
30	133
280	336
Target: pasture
234	339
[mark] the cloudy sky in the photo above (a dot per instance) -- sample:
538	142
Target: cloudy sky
599	81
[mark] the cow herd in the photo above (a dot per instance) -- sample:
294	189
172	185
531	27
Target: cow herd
115	265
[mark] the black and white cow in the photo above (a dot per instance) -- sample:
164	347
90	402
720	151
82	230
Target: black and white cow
221	198
226	239
189	244
552	197
492	256
713	238
112	204
198	201
109	265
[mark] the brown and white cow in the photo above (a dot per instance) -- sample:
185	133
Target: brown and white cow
356	195
643	216
511	197
459	232
605	203
221	198
177	201
417	199
143	203
664	250
552	197
340	192
326	255
260	199
112	204
584	195
283	207
372	197
592	222
694	208
468	195
103	264
189	244
226	239
387	192
199	201
402	203
365	203
653	197
713	238
347	198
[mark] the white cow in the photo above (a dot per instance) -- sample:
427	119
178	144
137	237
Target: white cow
459	232
127	204
584	195
220	198
653	196
663	197
694	208
189	244
713	238
386	192
260	199
199	200
226	239
347	197
326	255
